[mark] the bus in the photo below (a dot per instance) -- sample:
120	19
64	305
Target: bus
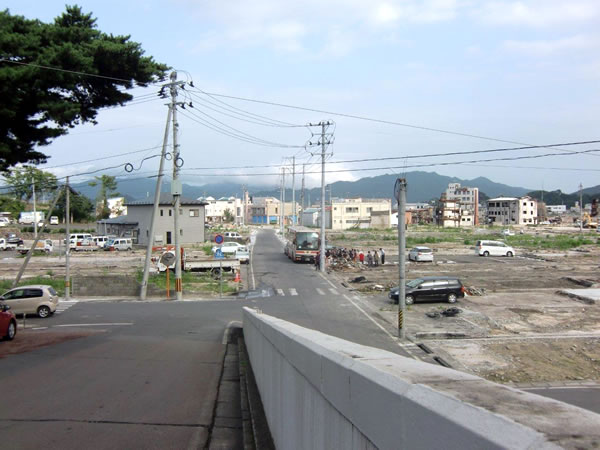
302	244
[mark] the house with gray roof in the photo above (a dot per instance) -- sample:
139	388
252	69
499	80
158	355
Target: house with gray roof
139	215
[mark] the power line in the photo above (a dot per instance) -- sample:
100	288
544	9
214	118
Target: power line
369	119
105	157
39	66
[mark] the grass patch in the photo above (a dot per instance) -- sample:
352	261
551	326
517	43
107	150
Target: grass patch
57	283
192	281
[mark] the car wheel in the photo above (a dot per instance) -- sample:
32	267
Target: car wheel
451	298
409	300
43	311
509	254
486	253
11	332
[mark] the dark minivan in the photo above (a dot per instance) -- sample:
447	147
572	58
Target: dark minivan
431	289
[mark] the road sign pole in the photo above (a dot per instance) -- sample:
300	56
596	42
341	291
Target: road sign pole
400	193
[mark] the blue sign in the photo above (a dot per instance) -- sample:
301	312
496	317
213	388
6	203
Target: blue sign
219	254
219	239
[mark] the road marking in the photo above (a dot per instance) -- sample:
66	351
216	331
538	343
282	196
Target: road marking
329	281
320	291
293	291
280	292
116	324
251	265
392	337
265	293
333	291
40	328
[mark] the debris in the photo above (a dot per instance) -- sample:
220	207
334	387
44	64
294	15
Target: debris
471	290
433	314
360	279
452	311
377	287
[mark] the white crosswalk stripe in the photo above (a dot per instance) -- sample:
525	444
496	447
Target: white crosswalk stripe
293	291
333	291
64	305
320	291
280	292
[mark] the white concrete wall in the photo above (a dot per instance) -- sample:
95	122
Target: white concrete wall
321	392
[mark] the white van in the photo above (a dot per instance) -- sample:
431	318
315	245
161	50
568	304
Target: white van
78	240
119	244
493	248
100	241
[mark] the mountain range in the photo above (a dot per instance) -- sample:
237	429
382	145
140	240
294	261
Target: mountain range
421	187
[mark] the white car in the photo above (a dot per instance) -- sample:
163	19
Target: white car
420	254
508	232
242	254
493	248
228	248
4	221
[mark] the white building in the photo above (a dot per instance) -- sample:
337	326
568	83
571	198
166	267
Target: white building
216	209
556	209
512	211
468	197
356	212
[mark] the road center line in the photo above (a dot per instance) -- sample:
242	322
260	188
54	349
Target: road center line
115	324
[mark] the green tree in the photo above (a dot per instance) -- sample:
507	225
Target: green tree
80	206
39	104
21	179
11	205
108	186
228	216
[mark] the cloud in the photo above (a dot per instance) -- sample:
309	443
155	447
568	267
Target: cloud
547	47
539	13
330	27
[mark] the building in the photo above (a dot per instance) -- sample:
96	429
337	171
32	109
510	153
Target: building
556	209
310	217
512	211
449	213
356	212
468	197
217	211
265	210
139	215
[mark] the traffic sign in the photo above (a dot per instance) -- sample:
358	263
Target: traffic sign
219	254
167	259
219	239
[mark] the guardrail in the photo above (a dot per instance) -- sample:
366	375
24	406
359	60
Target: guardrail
322	392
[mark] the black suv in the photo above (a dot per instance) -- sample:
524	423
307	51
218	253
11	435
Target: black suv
431	289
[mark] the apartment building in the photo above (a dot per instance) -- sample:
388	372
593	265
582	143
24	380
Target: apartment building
512	211
468	197
356	212
216	209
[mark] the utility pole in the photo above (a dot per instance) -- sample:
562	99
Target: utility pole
35	222
294	219
302	194
400	194
580	207
281	203
144	287
67	240
33	246
176	187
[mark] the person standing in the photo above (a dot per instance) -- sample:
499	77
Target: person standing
375	258
369	259
382	256
361	257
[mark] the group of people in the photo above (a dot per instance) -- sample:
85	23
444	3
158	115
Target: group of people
371	258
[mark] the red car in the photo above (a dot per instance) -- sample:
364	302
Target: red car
8	323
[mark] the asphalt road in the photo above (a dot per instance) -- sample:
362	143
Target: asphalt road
147	380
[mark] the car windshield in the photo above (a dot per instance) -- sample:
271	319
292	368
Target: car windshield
424	250
111	242
52	291
414	283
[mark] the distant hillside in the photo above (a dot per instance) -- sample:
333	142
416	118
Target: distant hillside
560	198
594	191
422	187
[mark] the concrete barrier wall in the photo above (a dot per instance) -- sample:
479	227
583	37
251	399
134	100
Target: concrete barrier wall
321	392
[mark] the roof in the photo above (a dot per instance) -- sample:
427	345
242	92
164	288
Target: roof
120	220
503	199
166	199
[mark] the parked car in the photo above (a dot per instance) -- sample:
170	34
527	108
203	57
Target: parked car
431	289
228	248
12	238
420	254
4	221
232	235
508	232
39	299
53	220
100	241
8	323
493	248
242	254
119	245
44	245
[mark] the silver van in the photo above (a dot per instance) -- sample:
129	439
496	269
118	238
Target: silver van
119	245
493	248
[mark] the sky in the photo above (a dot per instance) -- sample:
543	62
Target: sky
511	73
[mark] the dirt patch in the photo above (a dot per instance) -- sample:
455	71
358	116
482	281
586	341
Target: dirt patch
28	340
528	361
